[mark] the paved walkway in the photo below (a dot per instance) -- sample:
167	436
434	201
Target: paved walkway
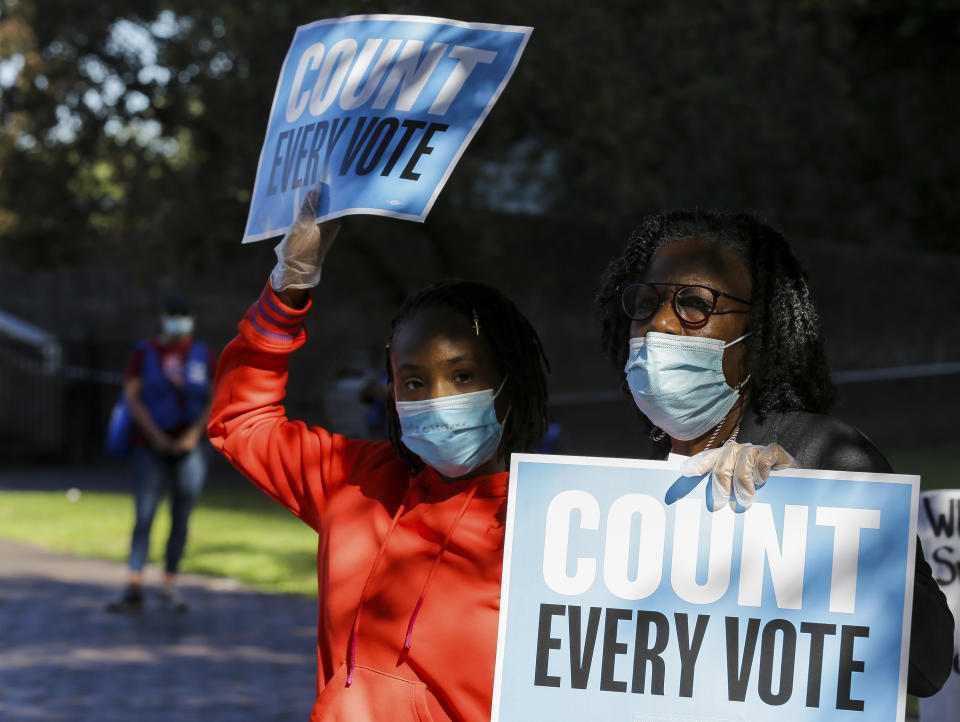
236	656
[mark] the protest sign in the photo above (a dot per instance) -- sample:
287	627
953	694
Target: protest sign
376	111
626	598
939	529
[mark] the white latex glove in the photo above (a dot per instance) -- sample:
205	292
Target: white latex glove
301	252
745	467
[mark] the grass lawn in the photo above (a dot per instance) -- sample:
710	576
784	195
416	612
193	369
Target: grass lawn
234	532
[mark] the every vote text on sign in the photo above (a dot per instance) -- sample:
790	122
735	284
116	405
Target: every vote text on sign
376	110
626	598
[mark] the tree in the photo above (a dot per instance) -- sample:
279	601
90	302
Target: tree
135	128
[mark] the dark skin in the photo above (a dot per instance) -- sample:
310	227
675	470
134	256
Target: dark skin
702	261
438	353
294	297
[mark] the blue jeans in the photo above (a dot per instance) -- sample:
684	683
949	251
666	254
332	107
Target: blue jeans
151	473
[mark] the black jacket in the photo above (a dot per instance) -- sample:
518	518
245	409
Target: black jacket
823	442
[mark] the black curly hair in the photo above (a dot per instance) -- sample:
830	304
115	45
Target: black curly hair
517	352
784	352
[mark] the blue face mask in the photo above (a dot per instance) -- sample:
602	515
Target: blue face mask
177	325
677	382
453	434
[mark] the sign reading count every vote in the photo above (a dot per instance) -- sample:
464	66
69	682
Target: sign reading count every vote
625	597
376	110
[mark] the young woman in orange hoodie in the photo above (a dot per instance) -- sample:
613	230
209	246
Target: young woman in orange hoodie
411	529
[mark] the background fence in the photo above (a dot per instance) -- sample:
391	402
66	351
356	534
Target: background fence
890	336
31	392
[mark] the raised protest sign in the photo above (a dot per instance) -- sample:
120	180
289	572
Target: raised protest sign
939	530
626	598
377	110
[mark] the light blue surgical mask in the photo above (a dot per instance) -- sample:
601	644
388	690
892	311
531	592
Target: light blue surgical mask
453	434
177	325
677	382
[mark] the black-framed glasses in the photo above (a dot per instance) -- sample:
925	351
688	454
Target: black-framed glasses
694	304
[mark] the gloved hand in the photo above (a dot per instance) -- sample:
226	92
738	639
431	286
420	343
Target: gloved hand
744	466
301	252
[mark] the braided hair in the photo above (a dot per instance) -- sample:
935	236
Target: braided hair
784	351
517	353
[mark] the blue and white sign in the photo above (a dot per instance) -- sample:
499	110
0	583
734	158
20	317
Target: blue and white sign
377	110
626	598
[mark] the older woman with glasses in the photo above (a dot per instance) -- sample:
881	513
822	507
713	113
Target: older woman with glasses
710	317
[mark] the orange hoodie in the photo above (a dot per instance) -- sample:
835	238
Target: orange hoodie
408	565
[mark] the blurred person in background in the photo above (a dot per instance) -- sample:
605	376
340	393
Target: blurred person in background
167	385
710	317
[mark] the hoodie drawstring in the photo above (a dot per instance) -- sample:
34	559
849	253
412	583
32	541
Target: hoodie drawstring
436	563
355	632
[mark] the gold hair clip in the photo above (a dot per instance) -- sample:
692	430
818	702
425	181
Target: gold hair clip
476	322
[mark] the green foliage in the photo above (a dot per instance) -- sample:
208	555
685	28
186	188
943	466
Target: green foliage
138	125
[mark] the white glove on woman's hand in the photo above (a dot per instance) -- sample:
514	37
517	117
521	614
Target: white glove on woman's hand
745	467
301	252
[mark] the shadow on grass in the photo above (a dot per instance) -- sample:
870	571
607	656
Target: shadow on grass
293	572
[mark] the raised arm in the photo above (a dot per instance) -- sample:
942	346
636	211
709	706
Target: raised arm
291	462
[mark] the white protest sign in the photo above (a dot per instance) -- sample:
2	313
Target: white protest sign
939	529
625	597
376	110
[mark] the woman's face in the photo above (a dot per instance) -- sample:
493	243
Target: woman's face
438	353
704	262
